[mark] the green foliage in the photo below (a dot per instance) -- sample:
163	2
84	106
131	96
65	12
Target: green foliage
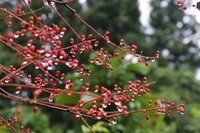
99	127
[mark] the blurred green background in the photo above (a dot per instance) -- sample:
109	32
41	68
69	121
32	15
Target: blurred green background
174	33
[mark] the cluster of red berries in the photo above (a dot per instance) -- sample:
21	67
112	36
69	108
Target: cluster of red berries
181	5
52	53
10	124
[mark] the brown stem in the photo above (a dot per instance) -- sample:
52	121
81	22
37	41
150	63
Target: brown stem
87	124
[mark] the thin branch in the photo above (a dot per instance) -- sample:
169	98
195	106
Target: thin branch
87	124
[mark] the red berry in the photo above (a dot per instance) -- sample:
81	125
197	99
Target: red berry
71	40
168	102
53	85
147	117
69	94
114	118
15	120
172	104
8	125
37	92
182	105
18	111
162	101
107	32
62	75
9	35
22	128
138	81
185	8
31	18
18	88
157	52
125	113
35	109
169	112
178	109
29	1
156	114
90	36
39	19
150	102
83	88
87	85
9	23
145	79
182	111
179	2
147	64
122	41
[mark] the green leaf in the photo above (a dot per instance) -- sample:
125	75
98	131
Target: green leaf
63	99
139	68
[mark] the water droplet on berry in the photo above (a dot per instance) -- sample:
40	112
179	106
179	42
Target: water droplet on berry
16	36
67	64
104	105
114	122
6	81
49	68
67	86
57	37
117	103
54	56
17	92
109	124
61	35
132	99
120	110
25	62
100	109
78	116
99	117
135	93
61	57
41	51
50	100
47	55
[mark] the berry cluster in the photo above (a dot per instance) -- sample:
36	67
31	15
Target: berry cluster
10	124
51	53
181	5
